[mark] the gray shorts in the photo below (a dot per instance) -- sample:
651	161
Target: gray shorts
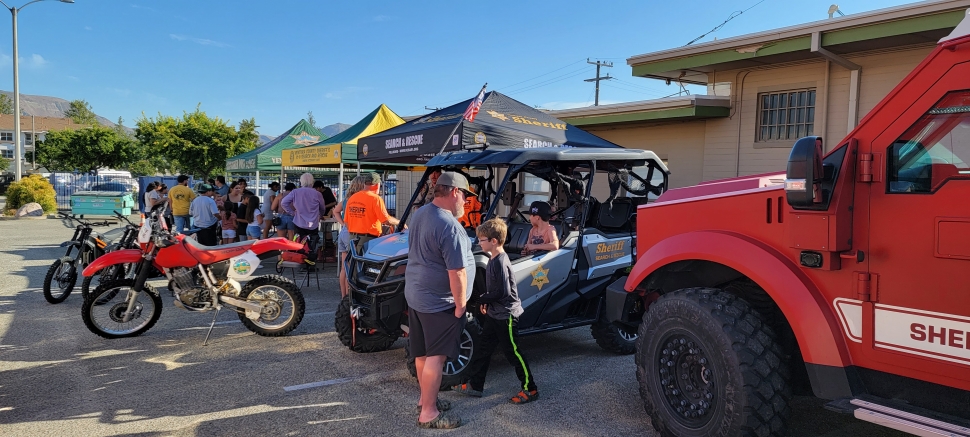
343	240
432	334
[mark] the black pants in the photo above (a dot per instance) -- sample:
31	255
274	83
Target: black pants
502	335
207	236
312	242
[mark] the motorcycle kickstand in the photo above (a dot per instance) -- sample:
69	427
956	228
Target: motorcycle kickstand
211	325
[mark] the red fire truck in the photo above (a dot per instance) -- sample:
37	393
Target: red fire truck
848	276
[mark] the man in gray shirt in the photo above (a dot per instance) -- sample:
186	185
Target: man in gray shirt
438	280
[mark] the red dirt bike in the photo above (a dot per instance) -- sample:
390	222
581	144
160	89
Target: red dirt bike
203	278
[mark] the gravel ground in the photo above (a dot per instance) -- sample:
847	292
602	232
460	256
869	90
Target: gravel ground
57	378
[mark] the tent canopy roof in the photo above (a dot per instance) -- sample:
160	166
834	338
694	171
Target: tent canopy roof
502	123
380	119
268	157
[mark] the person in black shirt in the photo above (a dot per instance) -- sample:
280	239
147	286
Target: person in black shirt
329	199
500	309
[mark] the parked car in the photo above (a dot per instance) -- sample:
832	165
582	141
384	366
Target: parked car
111	186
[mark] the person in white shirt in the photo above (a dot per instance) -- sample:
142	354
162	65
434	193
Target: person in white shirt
205	215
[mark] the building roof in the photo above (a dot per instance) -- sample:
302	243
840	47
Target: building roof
692	107
41	124
916	23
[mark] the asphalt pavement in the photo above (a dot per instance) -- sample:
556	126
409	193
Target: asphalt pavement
57	378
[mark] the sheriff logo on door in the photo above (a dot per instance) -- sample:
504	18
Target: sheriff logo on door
540	276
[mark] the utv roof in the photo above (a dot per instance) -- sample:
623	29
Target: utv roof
563	154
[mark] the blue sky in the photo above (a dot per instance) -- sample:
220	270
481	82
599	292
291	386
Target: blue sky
275	60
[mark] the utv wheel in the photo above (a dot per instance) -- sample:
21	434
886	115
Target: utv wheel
356	338
613	338
60	280
282	302
454	371
708	364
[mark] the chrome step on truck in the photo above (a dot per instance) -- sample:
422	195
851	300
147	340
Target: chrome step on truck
901	417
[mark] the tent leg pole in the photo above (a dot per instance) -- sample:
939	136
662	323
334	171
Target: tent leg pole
340	183
257	183
358	169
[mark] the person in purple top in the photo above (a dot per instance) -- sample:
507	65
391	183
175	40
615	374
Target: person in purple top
306	205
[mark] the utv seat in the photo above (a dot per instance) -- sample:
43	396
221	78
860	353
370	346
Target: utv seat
616	216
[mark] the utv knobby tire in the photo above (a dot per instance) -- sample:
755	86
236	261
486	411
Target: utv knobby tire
611	337
98	301
56	293
288	287
730	358
455	371
359	341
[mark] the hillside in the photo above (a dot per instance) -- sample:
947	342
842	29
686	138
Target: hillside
45	106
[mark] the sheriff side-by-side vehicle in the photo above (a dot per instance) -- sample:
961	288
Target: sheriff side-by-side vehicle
848	277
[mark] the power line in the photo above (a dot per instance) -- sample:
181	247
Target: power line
731	17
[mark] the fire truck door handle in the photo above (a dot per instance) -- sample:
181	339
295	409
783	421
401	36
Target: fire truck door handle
858	255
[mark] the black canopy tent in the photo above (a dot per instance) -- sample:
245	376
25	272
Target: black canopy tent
502	123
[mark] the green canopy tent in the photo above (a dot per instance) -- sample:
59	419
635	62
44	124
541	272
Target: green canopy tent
341	149
268	157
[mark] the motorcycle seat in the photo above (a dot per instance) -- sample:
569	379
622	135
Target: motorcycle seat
213	254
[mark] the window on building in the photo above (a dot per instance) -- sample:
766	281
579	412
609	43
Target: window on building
6	136
28	138
934	150
786	115
6	153
534	188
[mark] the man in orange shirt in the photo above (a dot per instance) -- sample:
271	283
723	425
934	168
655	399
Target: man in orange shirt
366	213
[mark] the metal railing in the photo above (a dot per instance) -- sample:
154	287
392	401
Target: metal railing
67	184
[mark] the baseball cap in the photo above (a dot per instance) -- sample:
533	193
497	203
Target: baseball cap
541	209
205	188
456	180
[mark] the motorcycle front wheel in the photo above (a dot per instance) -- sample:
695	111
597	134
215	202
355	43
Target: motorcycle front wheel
60	280
104	310
282	302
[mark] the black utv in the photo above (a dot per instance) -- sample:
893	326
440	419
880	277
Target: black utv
594	195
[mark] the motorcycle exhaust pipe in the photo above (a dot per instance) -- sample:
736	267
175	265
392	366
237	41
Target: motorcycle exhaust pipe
246	305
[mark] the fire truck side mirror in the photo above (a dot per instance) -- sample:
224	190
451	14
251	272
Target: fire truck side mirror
804	176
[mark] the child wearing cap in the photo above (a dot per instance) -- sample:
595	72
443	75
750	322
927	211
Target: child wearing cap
542	236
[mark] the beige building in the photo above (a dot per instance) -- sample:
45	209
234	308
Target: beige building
765	90
31	128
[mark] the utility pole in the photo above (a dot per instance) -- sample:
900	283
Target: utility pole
597	79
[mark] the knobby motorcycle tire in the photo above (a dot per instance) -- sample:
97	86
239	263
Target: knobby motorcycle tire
113	273
95	302
299	305
61	292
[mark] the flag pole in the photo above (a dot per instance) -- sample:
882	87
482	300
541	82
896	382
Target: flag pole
455	129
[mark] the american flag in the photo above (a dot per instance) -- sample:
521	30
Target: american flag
475	105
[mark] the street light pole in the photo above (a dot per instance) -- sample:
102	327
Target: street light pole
18	151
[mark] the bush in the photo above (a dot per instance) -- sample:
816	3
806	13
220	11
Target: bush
33	188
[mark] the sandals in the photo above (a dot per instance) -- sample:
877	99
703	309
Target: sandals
524	397
467	390
443	421
442	405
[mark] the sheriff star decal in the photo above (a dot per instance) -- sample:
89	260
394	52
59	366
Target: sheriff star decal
540	276
305	139
498	115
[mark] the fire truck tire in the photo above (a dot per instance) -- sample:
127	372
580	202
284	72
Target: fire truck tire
455	371
358	340
709	364
613	338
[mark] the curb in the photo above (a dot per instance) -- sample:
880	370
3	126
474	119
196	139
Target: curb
12	217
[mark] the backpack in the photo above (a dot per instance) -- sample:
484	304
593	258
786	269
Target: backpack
297	256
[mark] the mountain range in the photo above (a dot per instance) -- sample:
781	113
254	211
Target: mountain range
46	106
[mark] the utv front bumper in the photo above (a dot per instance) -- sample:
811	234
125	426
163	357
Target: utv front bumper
377	293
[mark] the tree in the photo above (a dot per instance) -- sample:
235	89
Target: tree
80	111
311	120
195	143
4	163
6	104
86	149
